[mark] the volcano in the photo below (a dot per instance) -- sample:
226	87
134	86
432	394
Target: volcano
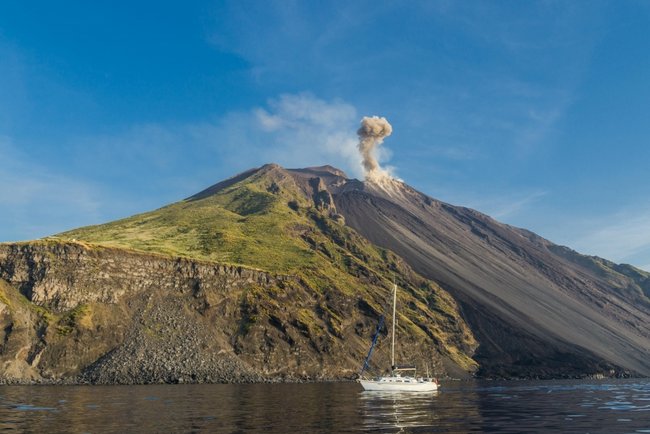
284	273
536	308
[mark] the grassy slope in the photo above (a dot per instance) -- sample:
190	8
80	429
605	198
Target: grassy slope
243	224
250	223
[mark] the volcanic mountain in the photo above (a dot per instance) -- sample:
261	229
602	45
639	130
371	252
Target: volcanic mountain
536	308
284	273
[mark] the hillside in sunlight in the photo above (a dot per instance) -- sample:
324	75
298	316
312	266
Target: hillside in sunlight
259	268
284	274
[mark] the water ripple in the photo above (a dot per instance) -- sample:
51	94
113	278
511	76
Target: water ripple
464	407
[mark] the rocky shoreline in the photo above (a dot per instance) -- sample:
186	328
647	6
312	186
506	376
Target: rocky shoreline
220	378
79	314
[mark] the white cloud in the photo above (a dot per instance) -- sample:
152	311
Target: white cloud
296	111
294	130
170	160
462	105
302	130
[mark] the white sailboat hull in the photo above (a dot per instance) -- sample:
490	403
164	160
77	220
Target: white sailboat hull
399	384
396	382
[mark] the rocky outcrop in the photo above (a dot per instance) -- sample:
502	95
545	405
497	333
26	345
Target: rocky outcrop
74	312
61	276
115	316
168	343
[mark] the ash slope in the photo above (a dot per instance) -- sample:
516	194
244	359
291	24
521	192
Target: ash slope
536	308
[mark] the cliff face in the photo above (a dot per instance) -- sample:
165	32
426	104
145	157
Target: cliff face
117	316
71	311
61	276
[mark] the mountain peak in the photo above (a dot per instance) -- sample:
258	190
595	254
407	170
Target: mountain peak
325	170
537	309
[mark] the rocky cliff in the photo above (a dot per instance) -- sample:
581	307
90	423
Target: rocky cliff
78	312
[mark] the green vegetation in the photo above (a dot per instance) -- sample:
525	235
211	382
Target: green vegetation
63	324
73	319
243	224
3	298
266	221
17	302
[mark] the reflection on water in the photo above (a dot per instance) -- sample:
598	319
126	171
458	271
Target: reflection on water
439	411
387	410
460	407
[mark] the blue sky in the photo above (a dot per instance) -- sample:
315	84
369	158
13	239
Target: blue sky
533	112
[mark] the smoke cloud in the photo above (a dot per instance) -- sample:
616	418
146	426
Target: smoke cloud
372	132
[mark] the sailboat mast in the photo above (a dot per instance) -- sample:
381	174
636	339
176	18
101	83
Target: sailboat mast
392	346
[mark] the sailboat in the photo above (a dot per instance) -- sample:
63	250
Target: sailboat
396	382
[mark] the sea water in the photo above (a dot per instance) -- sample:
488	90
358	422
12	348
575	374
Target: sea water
607	406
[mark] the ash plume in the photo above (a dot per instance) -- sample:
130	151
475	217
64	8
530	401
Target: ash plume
372	132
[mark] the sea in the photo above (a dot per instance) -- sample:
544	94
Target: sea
606	406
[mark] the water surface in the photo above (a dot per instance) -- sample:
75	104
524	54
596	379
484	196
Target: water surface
621	406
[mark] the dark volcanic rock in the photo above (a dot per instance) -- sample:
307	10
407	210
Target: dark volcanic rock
537	309
168	345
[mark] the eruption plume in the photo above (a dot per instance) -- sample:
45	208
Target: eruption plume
372	132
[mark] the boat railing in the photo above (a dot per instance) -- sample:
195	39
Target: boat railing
402	368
